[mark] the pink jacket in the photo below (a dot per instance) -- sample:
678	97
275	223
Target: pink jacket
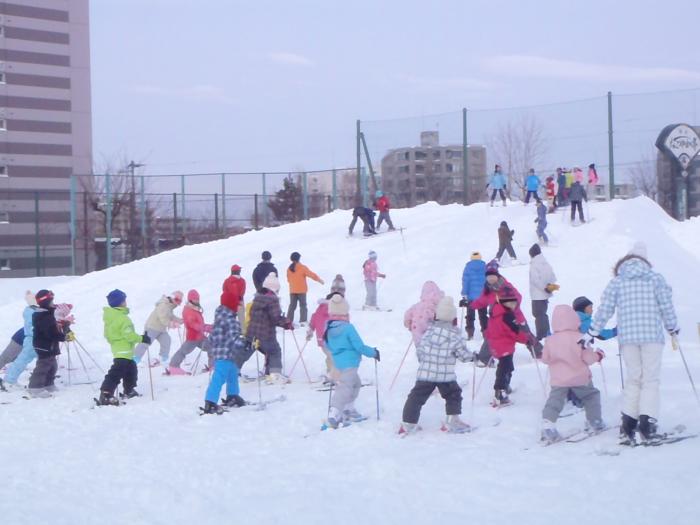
568	362
578	175
418	316
370	270
318	321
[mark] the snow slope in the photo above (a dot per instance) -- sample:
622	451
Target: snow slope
159	462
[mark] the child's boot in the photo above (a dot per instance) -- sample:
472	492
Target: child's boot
455	425
550	434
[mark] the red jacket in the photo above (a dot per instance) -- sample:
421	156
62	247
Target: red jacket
551	189
503	331
194	322
383	203
489	298
234	290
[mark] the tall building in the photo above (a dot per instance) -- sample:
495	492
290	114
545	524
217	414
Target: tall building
431	172
45	130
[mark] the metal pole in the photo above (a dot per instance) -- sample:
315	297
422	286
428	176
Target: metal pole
174	218
223	204
73	219
335	189
182	215
369	162
216	212
108	219
465	159
266	220
611	156
305	195
144	232
365	196
37	255
359	160
255	214
86	233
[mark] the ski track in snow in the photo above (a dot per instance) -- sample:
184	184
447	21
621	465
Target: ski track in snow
161	463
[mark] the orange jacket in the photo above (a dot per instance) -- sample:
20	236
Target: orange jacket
297	278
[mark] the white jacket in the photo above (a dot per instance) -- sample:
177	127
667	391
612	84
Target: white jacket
541	274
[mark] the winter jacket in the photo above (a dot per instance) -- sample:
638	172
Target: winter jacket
345	345
503	331
498	181
541	215
227	341
551	189
233	292
262	270
473	279
418	316
592	176
160	318
505	235
28	316
541	274
438	351
194	321
119	332
568	361
265	317
18	336
297	278
532	183
383	204
605	333
370	270
569	178
489	297
318	321
577	192
47	334
561	183
578	175
643	301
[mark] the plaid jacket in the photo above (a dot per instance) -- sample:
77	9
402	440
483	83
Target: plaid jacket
438	351
265	316
643	301
226	339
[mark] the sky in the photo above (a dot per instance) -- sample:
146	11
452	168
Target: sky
218	85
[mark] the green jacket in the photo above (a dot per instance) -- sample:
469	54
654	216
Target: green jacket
119	332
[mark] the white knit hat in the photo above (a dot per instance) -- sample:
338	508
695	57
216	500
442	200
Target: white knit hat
337	305
29	297
639	249
271	282
446	310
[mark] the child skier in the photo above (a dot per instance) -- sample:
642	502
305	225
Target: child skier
296	277
196	331
371	273
27	353
122	338
551	188
473	279
262	270
532	185
157	326
437	352
233	291
347	349
317	325
541	222
505	242
12	350
502	333
583	306
569	362
382	204
418	316
498	184
576	194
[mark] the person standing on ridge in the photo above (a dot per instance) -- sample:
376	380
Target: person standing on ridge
497	184
263	269
382	204
296	277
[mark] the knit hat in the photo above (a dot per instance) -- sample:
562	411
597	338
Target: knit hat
504	224
271	282
507	293
44	298
581	303
266	256
337	305
492	268
235	269
63	313
295	256
29	297
372	254
446	310
379	193
639	249
476	256
177	296
116	298
535	250
338	285
193	296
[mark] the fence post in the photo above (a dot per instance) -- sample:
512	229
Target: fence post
305	196
363	180
174	218
255	213
330	203
108	219
611	156
183	229
264	200
73	218
359	159
37	254
86	233
223	204
144	231
465	159
216	212
335	189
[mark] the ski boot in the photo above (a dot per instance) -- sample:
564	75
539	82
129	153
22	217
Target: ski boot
107	399
233	401
211	408
39	393
406	429
500	399
455	425
176	371
470	334
353	416
649	430
335	418
129	394
628	426
2	386
550	434
276	379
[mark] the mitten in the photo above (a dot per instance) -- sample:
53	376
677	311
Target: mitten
464	303
551	287
376	355
146	339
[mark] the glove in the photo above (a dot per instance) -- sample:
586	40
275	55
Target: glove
464	303
512	233
145	339
376	354
551	287
70	337
614	332
288	325
537	220
600	353
207	328
674	332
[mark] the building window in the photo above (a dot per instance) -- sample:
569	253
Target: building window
420	155
5	264
436	153
2	77
3	124
4	217
420	182
449	168
420	168
3	171
403	169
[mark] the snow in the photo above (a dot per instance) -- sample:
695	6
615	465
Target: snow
159	462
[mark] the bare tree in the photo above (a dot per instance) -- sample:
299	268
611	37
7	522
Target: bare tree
517	146
643	176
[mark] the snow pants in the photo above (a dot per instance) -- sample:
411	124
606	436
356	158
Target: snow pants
44	373
641	393
501	192
10	353
371	287
163	339
384	216
576	205
367	225
506	247
471	316
540	231
533	194
186	348
450	392
26	356
273	356
346	390
225	371
539	312
124	370
294	299
588	394
504	371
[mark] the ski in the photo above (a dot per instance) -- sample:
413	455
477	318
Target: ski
675	435
587	435
277	399
327	389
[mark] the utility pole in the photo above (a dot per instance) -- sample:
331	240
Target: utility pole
132	213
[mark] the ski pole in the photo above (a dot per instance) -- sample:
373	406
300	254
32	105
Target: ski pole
471	415
539	374
483	375
68	352
677	346
284	350
376	386
256	345
622	376
401	364
150	374
195	364
301	357
83	364
80	345
602	374
330	395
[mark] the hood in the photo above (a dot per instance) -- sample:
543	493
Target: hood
109	313
431	293
336	327
634	268
565	319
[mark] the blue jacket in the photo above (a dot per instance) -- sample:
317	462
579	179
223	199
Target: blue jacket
28	315
586	320
18	336
473	279
498	181
532	182
345	345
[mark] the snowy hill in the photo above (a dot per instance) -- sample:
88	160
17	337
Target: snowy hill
158	462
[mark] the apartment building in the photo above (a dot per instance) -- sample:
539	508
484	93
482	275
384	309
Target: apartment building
45	131
430	172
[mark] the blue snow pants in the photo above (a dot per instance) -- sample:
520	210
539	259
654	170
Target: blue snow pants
225	371
26	356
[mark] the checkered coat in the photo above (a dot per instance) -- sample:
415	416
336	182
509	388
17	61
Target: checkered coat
643	302
227	341
438	351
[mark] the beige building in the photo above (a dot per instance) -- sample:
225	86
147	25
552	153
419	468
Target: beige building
45	130
319	184
431	172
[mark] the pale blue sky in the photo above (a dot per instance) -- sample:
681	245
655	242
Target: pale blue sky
217	85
